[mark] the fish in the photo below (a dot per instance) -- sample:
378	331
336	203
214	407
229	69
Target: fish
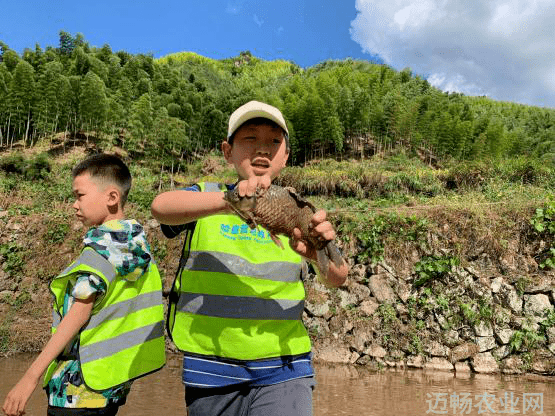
280	210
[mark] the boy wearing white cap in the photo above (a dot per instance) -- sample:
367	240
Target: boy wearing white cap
237	301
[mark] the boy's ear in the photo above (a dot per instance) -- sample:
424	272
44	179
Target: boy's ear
286	158
226	150
114	196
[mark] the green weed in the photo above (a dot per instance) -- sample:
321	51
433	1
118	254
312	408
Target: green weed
388	313
433	267
57	233
525	340
31	169
468	313
12	258
544	223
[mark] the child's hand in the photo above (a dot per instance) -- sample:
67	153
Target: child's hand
321	228
247	187
17	398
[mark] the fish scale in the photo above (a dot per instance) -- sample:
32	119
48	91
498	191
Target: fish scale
280	210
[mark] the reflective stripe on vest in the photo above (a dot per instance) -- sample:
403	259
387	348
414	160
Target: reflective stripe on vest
238	295
125	332
111	346
126	307
240	308
214	261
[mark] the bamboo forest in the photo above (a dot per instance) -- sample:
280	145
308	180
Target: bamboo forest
177	106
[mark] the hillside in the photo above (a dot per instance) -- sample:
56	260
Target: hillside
172	108
450	264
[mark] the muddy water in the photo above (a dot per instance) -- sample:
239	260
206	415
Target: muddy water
344	391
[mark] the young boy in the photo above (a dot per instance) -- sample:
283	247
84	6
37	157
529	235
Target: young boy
236	304
108	311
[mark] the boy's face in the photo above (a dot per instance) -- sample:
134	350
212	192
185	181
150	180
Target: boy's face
93	201
257	150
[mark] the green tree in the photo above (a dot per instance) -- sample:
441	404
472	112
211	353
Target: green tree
141	121
21	99
10	59
67	43
5	78
93	103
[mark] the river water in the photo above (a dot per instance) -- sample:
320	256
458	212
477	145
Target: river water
343	390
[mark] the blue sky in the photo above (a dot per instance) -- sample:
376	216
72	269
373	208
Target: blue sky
306	32
499	48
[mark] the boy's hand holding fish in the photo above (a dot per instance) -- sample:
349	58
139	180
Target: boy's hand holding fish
282	211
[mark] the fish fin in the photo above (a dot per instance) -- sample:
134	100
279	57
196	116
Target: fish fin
301	202
251	220
276	240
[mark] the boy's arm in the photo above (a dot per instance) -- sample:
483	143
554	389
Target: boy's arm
69	326
336	276
182	207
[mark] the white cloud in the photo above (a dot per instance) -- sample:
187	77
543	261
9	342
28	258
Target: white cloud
258	21
500	48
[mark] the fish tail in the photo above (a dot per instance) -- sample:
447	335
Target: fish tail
322	260
329	252
334	254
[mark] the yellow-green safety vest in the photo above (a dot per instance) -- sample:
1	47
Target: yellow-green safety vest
124	338
237	295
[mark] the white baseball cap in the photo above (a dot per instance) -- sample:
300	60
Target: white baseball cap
255	109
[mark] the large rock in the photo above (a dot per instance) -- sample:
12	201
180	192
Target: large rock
339	354
375	351
483	329
462	367
368	307
347	299
485	343
415	361
496	284
403	290
484	362
6	282
362	336
380	288
501	352
318	309
537	304
435	349
512	365
509	298
360	292
438	364
463	352
504	335
542	285
358	273
551	334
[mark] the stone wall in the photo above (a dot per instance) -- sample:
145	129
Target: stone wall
487	315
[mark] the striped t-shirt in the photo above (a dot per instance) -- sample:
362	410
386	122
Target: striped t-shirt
200	371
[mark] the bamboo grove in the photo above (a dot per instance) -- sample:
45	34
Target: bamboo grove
177	106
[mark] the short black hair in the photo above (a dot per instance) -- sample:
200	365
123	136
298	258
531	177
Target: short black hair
109	168
260	121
